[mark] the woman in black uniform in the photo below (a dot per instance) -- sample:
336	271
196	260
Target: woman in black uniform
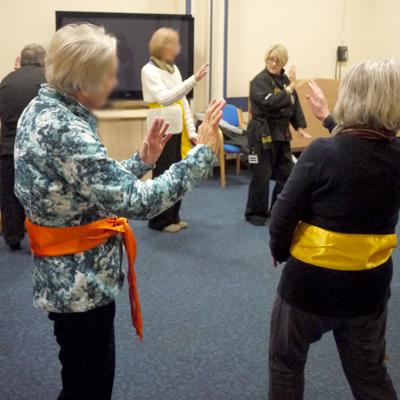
274	105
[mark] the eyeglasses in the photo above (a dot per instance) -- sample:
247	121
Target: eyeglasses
273	60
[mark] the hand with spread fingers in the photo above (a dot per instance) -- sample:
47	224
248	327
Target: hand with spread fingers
317	101
154	142
208	132
201	73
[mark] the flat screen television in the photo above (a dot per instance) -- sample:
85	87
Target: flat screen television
133	32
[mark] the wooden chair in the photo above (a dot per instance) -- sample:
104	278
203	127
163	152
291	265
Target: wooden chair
227	148
222	156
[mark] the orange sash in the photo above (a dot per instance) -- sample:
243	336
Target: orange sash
61	241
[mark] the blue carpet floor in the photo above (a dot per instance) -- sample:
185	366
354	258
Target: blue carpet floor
206	295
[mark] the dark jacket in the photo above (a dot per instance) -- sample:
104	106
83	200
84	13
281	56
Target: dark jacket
17	89
344	184
273	109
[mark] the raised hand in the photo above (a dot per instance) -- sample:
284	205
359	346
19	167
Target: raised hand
317	101
302	133
292	79
201	72
17	63
293	74
154	142
208	132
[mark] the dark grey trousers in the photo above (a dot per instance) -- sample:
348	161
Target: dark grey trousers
12	212
360	342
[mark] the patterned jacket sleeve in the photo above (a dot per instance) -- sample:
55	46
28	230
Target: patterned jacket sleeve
83	162
136	166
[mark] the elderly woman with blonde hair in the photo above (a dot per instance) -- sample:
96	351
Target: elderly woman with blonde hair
334	225
165	92
274	107
77	200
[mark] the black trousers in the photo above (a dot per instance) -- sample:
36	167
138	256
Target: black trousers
275	163
12	212
170	155
360	342
87	353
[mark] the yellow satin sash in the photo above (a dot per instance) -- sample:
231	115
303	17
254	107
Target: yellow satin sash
186	144
341	251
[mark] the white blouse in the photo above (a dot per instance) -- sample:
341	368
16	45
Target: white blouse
167	88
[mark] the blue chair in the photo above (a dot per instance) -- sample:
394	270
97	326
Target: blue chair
233	116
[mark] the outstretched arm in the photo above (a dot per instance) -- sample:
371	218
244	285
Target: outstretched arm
143	161
85	165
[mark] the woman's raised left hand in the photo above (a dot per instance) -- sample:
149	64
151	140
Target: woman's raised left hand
155	141
208	132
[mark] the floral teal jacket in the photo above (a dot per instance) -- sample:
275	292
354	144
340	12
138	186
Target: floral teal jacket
64	177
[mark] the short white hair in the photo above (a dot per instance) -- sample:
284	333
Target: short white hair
78	58
369	96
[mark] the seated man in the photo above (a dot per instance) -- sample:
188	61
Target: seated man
232	134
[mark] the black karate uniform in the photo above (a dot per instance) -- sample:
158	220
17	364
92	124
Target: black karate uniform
273	109
16	91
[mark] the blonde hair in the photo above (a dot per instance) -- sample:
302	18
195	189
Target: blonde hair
161	38
369	96
281	52
79	57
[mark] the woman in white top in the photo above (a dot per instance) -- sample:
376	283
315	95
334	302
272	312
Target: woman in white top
165	92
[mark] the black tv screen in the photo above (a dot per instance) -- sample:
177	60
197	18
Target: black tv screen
133	32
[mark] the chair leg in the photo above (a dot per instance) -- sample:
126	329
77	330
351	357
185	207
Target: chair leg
222	170
222	159
238	164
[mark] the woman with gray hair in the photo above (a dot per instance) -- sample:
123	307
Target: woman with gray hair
75	197
334	226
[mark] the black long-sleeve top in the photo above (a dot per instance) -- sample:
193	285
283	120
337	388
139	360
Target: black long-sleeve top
329	123
270	102
17	89
345	184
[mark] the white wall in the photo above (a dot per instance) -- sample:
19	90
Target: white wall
381	30
310	29
27	21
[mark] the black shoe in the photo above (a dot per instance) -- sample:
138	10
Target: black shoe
257	221
15	247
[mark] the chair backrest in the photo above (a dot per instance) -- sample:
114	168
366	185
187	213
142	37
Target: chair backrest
230	115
